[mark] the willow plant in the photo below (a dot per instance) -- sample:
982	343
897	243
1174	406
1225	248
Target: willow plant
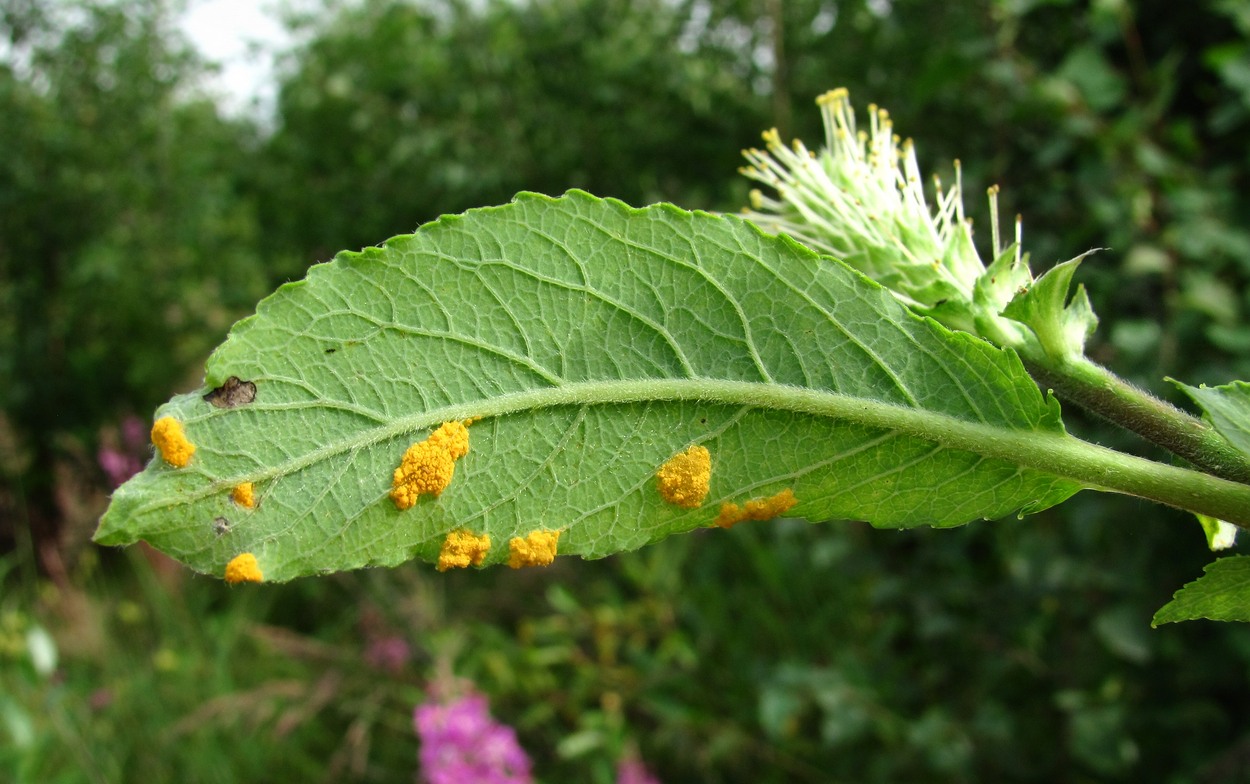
575	376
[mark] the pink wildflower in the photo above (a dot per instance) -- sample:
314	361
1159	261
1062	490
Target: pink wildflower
117	466
630	770
462	744
119	463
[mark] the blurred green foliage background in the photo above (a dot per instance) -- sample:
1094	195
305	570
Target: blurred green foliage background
138	221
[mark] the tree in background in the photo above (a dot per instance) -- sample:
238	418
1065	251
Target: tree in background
397	112
126	246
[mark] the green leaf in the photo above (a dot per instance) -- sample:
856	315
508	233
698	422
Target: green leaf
1061	326
1227	408
1222	593
595	342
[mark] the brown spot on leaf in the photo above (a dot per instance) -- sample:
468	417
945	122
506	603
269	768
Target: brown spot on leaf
232	394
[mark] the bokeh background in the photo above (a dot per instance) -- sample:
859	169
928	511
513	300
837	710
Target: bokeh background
139	218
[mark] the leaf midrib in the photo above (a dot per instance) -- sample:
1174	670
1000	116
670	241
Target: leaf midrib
1031	448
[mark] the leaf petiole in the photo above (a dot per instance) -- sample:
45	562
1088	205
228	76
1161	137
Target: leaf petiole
1066	456
1102	392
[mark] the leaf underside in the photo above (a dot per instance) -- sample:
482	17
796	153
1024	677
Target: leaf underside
1222	593
594	341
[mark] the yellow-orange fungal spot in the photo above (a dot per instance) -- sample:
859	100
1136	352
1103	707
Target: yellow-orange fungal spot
243	569
169	437
454	437
244	495
684	480
756	509
537	549
428	466
462	549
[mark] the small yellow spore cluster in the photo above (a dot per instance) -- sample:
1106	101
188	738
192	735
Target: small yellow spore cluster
684	480
243	569
244	495
756	509
169	437
537	549
428	466
462	549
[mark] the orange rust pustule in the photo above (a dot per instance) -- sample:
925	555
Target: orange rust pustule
170	439
756	509
428	466
536	549
243	568
462	549
244	495
685	478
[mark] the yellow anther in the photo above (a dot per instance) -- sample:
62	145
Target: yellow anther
836	95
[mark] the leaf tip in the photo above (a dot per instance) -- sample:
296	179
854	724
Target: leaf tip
1222	593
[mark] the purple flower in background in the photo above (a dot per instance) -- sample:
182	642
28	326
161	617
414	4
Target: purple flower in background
120	462
118	467
630	770
388	653
135	434
462	744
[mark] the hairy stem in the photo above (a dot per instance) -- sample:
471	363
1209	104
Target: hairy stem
1101	392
